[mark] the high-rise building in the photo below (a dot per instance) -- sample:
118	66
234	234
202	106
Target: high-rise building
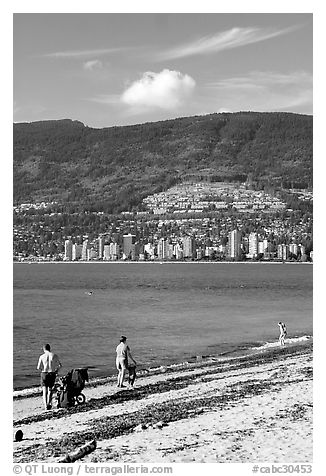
235	244
266	246
189	246
84	250
114	251
106	252
162	249
76	252
68	250
293	248
100	247
253	245
129	246
283	251
170	250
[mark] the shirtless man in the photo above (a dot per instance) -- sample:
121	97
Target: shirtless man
122	360
49	364
283	332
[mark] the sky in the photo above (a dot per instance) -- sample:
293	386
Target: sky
108	69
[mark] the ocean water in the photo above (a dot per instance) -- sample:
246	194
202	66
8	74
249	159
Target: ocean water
170	312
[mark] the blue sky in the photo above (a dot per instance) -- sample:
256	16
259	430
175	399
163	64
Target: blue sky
116	69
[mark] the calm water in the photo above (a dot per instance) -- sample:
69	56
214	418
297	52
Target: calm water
169	312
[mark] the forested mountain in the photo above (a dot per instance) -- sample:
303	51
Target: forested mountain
113	169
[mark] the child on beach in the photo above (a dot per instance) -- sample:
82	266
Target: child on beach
283	332
131	368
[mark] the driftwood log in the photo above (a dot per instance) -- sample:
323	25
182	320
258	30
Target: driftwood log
79	453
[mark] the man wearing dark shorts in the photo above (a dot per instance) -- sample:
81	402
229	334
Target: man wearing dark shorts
49	364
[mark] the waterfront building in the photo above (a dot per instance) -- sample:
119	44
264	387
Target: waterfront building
162	249
293	248
283	251
235	244
100	247
189	246
253	245
177	251
129	246
170	251
106	252
85	247
68	250
114	251
261	247
76	252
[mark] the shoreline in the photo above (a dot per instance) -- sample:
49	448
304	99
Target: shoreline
249	408
163	262
193	361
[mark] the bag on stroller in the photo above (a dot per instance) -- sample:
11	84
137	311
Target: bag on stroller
70	390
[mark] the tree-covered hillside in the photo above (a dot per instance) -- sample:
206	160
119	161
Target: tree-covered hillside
114	168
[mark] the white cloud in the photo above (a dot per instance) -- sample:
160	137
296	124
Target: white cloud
225	40
82	53
109	99
264	79
264	91
164	90
92	65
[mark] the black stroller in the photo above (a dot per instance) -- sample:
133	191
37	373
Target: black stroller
69	392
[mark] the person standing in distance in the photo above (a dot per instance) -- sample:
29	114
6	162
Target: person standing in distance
123	351
49	364
283	332
121	360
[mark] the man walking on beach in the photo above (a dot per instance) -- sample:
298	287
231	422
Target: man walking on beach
283	332
123	352
49	364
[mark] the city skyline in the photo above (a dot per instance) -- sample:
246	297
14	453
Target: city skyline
118	69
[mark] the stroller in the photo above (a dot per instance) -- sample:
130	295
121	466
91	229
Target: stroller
69	391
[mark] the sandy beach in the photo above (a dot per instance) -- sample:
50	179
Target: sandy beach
248	409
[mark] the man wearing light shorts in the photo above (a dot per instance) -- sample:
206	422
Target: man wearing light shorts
122	360
49	364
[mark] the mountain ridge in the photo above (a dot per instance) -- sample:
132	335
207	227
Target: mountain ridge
114	168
